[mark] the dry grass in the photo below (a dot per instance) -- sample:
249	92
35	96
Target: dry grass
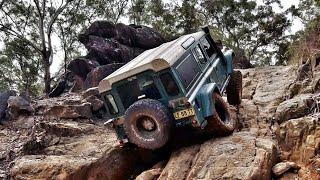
307	46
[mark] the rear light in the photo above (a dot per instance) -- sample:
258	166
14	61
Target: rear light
194	122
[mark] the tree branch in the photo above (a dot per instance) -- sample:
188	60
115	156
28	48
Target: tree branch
2	3
16	34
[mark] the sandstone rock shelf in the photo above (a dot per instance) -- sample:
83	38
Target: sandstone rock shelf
63	139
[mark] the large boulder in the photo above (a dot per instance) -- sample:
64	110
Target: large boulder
97	74
150	174
4	96
66	82
68	106
105	29
17	106
107	51
283	167
81	66
147	38
296	107
267	87
82	110
125	35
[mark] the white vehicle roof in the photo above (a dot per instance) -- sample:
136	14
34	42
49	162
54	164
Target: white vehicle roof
155	59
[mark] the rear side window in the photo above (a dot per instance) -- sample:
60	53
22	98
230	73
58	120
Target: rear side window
209	49
169	84
188	70
198	52
111	103
129	93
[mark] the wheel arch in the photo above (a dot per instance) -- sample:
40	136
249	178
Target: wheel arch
205	100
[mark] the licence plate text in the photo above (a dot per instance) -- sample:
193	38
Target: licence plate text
184	113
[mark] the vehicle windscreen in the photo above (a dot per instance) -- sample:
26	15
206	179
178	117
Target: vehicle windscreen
137	88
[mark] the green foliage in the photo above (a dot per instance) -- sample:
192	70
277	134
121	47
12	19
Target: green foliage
19	68
248	26
306	10
189	20
155	13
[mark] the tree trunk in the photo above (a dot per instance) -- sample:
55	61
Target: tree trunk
47	76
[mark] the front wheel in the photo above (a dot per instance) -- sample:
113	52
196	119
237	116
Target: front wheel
234	88
220	123
148	124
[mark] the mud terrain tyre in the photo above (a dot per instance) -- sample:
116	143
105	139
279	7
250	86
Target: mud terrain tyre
148	124
220	123
234	88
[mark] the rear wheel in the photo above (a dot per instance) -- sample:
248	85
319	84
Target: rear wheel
148	124
220	123
234	88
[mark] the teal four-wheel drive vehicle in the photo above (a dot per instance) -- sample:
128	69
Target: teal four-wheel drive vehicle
179	83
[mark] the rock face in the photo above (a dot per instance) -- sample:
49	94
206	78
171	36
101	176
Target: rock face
63	144
240	156
300	139
278	137
70	106
97	74
17	105
296	107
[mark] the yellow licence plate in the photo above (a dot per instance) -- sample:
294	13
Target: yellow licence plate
184	113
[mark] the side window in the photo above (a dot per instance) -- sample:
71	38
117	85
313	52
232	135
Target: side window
199	54
169	84
209	49
111	103
188	70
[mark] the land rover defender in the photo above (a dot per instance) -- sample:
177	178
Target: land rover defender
179	83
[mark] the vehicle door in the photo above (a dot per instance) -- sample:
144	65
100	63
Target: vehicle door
219	74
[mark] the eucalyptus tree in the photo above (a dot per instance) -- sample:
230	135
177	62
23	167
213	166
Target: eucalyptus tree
50	27
244	24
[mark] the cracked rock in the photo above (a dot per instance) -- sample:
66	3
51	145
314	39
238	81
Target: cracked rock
283	167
